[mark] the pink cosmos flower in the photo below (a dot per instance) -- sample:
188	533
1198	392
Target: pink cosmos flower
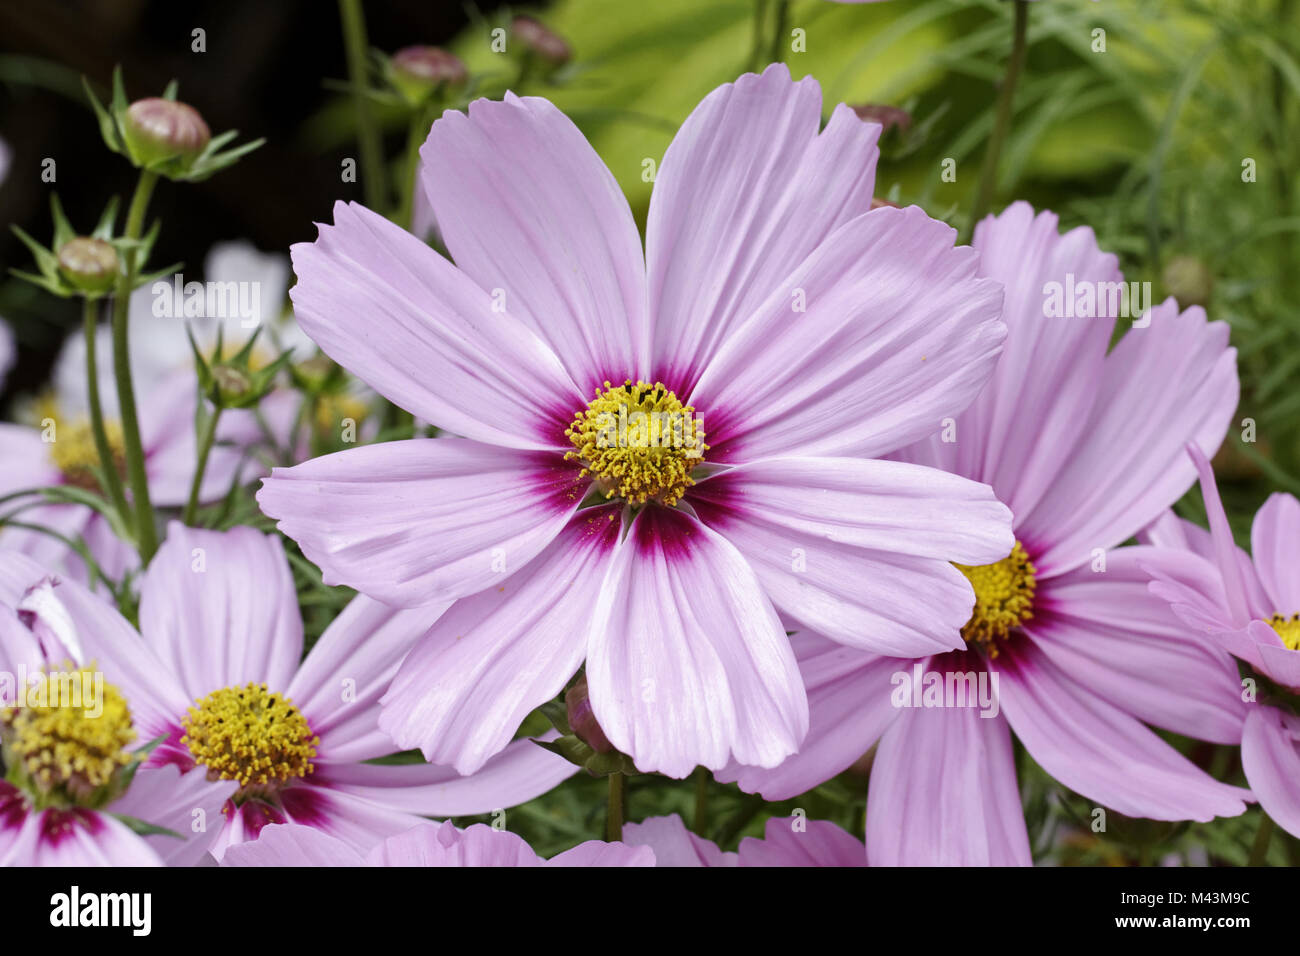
428	844
8	351
216	671
786	842
71	786
1252	607
810	336
1086	448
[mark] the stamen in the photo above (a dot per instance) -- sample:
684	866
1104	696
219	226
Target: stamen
1288	628
638	442
1004	599
250	735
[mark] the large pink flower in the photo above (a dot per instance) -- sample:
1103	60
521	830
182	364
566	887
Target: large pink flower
811	336
217	673
428	844
1252	607
1086	448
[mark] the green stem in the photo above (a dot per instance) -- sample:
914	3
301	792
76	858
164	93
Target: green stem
614	813
205	448
701	801
112	480
1002	121
145	535
756	51
778	35
415	135
1263	837
372	157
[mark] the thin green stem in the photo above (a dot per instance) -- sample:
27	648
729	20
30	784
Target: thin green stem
1002	120
112	480
614	812
756	50
415	135
700	822
145	535
1263	837
368	141
205	439
778	34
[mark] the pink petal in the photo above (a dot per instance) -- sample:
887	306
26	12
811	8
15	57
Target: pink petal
1275	543
849	708
799	841
943	791
1100	751
526	206
421	333
422	521
220	610
688	663
1272	764
479	670
1018	433
898	335
186	803
516	775
339	685
599	853
1124	644
441	844
291	844
844	545
747	189
1129	467
674	845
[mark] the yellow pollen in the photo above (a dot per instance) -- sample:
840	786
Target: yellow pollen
1288	628
250	735
638	442
74	453
75	739
1004	599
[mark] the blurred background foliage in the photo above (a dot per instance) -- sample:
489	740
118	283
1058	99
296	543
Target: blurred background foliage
1139	118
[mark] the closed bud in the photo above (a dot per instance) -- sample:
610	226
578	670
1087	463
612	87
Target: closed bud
89	264
419	71
541	42
1188	280
583	719
157	129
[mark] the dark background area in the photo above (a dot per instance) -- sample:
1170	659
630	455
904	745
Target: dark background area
263	73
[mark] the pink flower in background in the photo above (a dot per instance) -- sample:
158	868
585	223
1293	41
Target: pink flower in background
793	335
8	351
217	672
69	790
787	841
1086	448
1252	607
429	844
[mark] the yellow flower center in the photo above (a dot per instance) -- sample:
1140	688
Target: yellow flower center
331	410
638	442
70	735
250	735
74	453
1288	628
1004	599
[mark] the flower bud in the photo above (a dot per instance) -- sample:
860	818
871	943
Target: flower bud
157	129
889	117
419	71
582	719
1188	280
548	47
89	264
